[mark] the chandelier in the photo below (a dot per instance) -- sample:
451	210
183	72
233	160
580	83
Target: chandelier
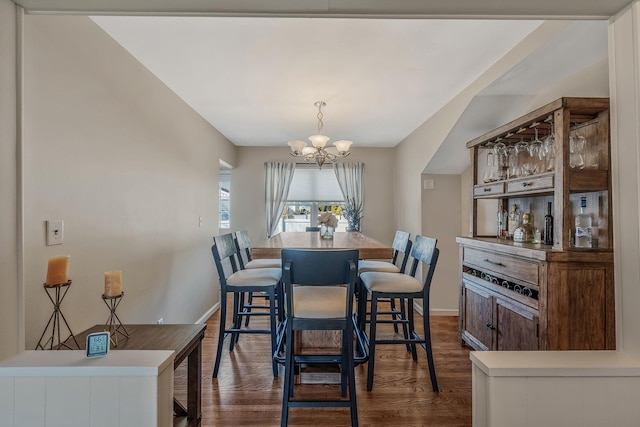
316	152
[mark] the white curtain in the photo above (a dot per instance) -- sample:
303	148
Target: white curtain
277	181
351	180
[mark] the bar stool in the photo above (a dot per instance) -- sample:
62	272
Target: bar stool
404	286
317	299
243	246
265	280
401	245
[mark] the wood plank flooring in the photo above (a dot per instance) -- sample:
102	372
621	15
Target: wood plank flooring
246	394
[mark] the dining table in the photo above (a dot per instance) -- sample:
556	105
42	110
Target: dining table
320	341
368	247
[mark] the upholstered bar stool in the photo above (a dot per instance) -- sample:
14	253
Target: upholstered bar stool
236	282
319	287
243	245
407	287
401	247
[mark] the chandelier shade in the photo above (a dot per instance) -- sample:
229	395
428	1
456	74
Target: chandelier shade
317	153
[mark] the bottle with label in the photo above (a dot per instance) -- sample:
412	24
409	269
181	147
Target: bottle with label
548	226
502	218
514	220
583	226
524	233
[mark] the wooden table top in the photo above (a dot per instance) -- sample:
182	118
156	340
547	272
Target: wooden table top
369	248
176	337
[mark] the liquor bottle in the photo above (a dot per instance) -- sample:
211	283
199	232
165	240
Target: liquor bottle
583	226
514	220
548	226
524	233
502	218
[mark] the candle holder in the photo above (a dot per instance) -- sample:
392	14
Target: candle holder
114	324
59	291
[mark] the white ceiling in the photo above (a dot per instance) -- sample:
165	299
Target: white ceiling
256	79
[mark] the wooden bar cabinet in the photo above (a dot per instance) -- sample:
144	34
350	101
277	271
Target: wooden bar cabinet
532	296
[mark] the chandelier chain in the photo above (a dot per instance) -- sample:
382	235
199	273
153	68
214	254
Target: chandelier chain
320	116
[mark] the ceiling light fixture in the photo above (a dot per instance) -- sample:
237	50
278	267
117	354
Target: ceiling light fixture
316	152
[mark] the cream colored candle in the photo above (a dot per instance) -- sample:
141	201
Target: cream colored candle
112	283
58	270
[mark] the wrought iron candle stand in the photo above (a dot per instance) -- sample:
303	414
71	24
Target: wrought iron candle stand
114	324
54	320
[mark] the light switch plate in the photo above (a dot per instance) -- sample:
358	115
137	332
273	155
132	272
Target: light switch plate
55	232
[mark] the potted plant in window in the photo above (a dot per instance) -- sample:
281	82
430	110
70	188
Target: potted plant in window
353	213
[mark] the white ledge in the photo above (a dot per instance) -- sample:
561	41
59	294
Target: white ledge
556	363
63	363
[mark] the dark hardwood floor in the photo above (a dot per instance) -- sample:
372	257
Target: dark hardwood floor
246	394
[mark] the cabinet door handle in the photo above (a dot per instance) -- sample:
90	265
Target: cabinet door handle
487	190
526	184
494	262
490	326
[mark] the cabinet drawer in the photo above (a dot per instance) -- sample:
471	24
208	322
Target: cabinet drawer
530	183
488	189
516	268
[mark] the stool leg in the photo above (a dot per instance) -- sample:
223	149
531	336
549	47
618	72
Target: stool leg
412	328
394	315
248	309
372	340
272	323
427	341
405	327
288	377
351	376
223	317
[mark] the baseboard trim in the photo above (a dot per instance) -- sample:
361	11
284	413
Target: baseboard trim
209	313
436	311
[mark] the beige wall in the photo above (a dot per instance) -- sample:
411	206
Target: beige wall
10	303
128	166
441	218
417	150
247	189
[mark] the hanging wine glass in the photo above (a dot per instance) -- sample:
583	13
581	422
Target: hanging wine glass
488	175
536	152
499	151
524	158
576	151
549	144
512	163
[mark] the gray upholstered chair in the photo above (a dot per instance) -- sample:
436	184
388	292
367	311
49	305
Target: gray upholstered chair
317	299
236	282
406	287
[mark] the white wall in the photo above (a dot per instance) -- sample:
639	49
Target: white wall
624	62
247	189
128	166
10	304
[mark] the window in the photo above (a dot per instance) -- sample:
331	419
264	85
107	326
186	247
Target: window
224	197
312	191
